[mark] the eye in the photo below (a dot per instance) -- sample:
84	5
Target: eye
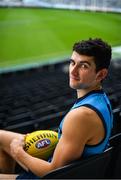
84	66
72	62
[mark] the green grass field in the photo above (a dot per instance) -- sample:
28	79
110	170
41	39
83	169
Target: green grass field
30	36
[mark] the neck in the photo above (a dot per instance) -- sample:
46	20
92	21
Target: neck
83	92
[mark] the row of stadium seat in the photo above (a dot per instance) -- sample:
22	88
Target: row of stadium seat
38	98
30	97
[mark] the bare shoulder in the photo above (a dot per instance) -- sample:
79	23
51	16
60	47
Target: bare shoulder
82	114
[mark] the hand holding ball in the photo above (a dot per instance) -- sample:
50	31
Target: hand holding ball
41	143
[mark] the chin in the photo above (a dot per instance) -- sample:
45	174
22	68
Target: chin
78	86
74	86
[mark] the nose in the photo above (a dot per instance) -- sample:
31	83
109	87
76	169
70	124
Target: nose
74	70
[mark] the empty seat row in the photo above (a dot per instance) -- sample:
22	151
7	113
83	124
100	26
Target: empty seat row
31	95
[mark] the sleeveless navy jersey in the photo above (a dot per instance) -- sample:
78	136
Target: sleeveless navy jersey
99	102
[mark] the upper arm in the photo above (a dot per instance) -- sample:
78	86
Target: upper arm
75	133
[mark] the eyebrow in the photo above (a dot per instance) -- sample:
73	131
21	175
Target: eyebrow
82	62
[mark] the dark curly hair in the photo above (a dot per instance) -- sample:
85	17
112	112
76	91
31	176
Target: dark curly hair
100	50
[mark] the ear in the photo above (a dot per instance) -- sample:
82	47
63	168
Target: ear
101	74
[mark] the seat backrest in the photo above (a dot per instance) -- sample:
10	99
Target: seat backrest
92	167
115	140
116	121
115	164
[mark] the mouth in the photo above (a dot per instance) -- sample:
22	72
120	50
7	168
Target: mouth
74	78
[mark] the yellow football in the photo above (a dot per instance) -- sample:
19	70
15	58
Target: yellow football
41	143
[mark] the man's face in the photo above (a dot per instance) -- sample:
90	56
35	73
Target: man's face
82	71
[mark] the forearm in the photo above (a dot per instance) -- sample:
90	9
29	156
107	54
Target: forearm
37	166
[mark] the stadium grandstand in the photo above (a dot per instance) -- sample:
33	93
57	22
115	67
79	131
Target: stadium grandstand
25	89
94	5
